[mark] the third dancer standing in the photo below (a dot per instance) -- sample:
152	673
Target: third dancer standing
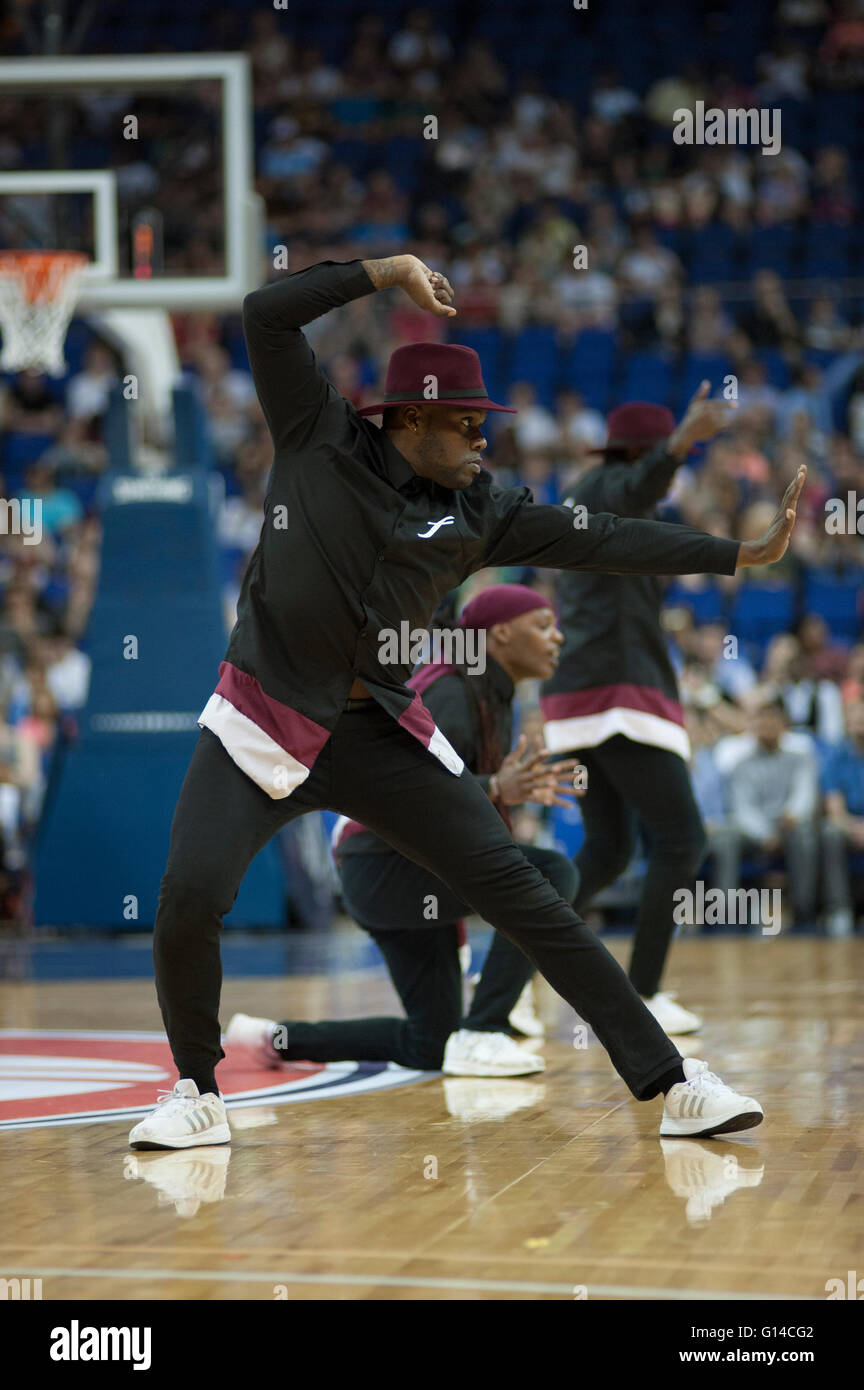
614	698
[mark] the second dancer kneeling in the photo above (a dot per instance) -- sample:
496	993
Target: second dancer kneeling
411	915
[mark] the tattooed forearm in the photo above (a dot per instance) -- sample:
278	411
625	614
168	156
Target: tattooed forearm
387	272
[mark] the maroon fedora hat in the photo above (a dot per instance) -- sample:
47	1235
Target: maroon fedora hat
634	424
434	374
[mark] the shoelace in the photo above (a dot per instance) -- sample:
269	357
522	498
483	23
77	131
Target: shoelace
182	1102
708	1080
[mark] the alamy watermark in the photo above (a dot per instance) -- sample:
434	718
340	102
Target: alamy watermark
734	126
407	646
20	1289
850	1287
22	516
716	907
845	516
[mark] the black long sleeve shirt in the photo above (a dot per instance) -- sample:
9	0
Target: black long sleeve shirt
614	674
345	553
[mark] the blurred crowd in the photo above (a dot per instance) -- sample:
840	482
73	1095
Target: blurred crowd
778	764
52	454
697	260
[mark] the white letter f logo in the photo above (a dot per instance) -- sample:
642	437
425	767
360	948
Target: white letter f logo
435	526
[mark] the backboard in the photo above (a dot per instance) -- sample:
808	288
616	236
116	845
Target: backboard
96	207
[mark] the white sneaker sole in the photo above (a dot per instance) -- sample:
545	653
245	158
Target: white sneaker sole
217	1134
698	1128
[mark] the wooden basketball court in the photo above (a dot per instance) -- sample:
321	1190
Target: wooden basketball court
550	1187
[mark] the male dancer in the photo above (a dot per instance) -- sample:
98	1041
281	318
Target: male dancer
366	528
614	696
411	915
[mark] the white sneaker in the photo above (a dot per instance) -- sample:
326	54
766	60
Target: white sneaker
182	1120
523	1016
255	1036
671	1016
703	1105
487	1054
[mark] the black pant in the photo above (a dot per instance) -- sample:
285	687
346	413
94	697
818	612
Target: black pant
392	899
373	771
631	785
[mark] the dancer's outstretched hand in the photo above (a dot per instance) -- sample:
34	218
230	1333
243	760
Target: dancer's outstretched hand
524	775
773	543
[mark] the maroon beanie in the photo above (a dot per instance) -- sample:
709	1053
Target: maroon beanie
499	603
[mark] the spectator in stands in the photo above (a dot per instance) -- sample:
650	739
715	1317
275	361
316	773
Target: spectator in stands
290	153
88	392
419	44
535	428
773	795
67	669
783	71
588	295
648	267
769	321
309	78
20	774
833	198
708	324
272	54
668	94
82	570
821	658
27	406
537	472
756	399
228	398
662	322
843	826
581	428
852	688
37	729
825	328
22	621
709	788
611	101
812	705
723	662
240	516
60	507
815	391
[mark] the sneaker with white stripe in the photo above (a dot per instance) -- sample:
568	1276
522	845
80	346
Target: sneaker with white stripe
704	1105
183	1119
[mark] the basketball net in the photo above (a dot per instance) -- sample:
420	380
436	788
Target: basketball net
38	293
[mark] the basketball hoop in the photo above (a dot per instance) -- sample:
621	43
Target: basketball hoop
38	293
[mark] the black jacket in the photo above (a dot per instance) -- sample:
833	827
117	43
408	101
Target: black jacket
614	674
347	551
